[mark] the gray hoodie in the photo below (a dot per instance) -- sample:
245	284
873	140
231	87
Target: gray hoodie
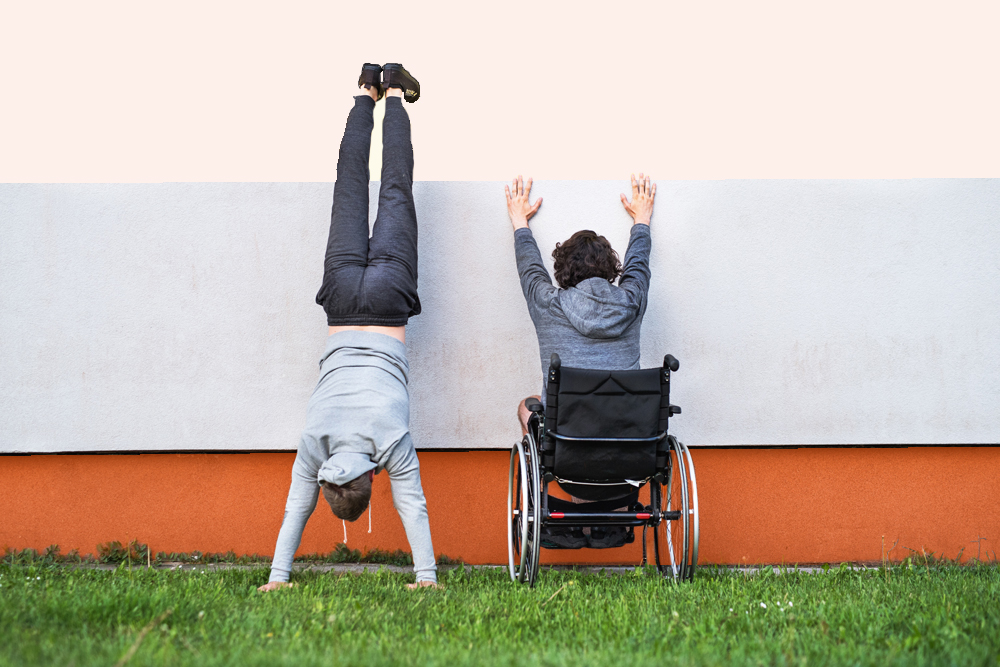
594	324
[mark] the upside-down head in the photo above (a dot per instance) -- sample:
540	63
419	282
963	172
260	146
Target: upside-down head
349	501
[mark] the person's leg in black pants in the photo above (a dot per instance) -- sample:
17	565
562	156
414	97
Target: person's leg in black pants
347	246
392	251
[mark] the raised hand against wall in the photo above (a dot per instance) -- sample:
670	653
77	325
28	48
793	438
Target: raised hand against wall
641	206
519	208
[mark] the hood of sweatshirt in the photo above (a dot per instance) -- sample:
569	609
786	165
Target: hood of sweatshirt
342	467
598	309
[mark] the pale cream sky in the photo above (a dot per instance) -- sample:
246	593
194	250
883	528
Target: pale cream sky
248	91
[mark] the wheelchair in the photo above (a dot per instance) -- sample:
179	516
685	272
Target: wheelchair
601	436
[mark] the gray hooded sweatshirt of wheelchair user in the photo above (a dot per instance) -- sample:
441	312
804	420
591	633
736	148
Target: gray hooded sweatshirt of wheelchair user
594	324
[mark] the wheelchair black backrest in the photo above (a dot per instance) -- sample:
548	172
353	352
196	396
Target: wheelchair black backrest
605	426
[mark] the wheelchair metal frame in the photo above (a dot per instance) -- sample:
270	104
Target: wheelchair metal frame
672	512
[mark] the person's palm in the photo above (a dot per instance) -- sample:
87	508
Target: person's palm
423	584
274	585
643	194
519	207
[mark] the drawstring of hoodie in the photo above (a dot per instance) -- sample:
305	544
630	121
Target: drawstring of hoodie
344	523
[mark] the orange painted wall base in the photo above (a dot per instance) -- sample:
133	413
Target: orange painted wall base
808	505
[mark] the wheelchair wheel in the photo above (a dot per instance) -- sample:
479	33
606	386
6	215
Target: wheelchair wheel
692	511
522	501
675	541
535	500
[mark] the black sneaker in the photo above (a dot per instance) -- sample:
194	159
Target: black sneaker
394	75
561	537
371	75
608	537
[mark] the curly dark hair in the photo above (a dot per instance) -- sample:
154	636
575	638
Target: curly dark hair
584	255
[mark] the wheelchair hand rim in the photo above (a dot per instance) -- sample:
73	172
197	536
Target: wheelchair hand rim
517	526
693	526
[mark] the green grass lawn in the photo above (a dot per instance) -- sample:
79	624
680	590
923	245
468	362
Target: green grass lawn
909	615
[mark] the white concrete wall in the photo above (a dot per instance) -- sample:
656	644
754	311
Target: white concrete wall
180	316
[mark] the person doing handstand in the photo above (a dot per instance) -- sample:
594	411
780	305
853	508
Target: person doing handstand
357	422
588	320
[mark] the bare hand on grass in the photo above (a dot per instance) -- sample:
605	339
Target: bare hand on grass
275	585
641	206
423	584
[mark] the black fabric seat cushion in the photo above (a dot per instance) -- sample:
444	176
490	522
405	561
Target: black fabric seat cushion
607	404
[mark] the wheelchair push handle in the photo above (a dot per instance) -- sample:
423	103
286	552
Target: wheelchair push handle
533	405
670	361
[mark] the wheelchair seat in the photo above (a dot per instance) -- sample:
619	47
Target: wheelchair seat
602	435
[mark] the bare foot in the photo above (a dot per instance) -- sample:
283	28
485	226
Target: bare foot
422	584
370	92
275	585
394	92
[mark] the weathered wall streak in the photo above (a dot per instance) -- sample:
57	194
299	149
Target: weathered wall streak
180	315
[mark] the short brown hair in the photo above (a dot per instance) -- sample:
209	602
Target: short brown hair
584	255
349	500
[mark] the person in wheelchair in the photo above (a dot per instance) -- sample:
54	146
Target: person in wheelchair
357	422
588	320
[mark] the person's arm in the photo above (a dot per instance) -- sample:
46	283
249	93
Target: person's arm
635	272
302	496
535	281
408	499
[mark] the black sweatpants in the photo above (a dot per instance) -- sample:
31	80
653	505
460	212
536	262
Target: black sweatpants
372	281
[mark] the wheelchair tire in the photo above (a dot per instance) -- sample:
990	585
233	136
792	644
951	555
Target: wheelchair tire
522	526
675	538
535	532
693	512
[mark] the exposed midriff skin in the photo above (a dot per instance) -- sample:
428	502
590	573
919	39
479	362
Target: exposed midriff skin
399	333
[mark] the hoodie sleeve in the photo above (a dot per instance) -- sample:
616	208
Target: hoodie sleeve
302	496
408	498
635	273
535	281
